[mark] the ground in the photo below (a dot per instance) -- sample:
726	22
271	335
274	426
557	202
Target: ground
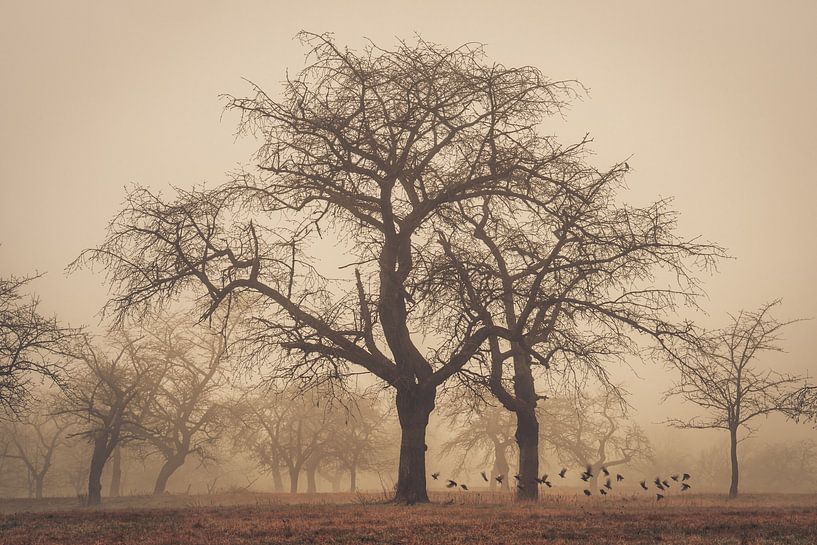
459	518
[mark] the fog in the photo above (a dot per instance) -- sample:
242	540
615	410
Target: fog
710	105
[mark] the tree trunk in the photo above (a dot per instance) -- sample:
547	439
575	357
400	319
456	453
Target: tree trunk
311	485
733	444
38	486
116	473
277	482
414	405
527	437
170	466
353	479
293	479
98	459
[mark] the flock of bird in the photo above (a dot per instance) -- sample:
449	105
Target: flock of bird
663	485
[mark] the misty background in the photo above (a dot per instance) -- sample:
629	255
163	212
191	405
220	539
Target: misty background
712	104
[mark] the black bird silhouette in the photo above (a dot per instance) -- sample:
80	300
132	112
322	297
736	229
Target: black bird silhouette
658	484
435	475
674	477
585	476
685	477
605	471
586	492
451	484
608	485
463	487
685	486
619	477
644	485
659	497
603	492
516	477
562	472
544	477
499	478
484	476
665	483
548	484
589	471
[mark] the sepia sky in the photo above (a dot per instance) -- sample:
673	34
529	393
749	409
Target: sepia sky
716	103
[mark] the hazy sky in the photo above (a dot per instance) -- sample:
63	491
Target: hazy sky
714	101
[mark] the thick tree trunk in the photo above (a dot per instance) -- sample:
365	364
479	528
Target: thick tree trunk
294	472
311	484
733	444
353	479
527	437
414	405
277	481
116	473
98	459
170	466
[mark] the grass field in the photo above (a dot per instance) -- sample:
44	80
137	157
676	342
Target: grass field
468	519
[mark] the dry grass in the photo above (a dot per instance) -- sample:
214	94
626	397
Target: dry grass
458	518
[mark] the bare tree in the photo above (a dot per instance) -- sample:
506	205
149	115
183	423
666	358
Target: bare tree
30	344
719	374
109	397
380	149
485	432
34	441
185	415
593	431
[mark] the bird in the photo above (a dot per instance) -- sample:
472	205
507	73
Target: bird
685	486
659	497
603	492
644	485
544	477
451	484
484	476
499	478
619	477
674	477
605	471
435	476
562	472
658	483
607	485
463	487
589	471
585	476
517	477
586	492
548	484
685	477
665	483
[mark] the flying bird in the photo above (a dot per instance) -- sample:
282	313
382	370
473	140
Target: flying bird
644	485
589	471
608	485
674	477
517	477
562	472
586	492
685	477
484	476
685	486
499	478
605	471
659	497
665	483
619	477
435	476
463	487
451	484
603	492
585	476
548	484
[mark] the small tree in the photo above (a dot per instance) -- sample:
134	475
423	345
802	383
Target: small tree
34	441
108	398
719	374
30	344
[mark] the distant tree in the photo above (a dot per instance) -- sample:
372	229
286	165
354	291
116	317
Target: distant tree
108	398
485	432
185	415
31	344
593	431
34	441
719	374
789	466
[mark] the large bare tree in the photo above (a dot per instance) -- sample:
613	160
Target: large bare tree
719	373
31	344
376	149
